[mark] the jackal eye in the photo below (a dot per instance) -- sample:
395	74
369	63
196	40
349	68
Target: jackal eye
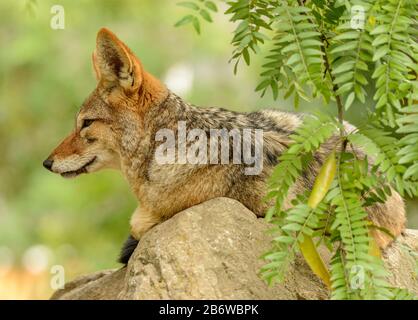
87	123
91	140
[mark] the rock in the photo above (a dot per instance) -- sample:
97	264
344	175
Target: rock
102	285
211	251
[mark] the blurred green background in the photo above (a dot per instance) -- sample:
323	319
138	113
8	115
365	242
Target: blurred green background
45	75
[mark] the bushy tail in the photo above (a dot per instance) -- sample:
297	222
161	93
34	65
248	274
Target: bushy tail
128	248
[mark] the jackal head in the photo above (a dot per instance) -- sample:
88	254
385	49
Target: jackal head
113	113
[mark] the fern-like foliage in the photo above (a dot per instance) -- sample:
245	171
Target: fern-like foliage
351	52
200	9
327	13
253	18
297	48
383	148
298	221
307	138
403	294
356	274
276	75
395	55
409	143
340	51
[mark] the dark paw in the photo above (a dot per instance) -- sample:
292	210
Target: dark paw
127	250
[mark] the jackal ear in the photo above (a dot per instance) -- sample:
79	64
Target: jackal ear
115	63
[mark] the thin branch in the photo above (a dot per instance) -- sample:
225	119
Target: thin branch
329	70
334	85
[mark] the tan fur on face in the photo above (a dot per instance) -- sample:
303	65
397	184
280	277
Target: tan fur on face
124	92
75	151
68	156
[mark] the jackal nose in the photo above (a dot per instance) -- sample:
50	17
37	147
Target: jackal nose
48	164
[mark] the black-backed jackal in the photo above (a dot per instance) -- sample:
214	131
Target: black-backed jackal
118	127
